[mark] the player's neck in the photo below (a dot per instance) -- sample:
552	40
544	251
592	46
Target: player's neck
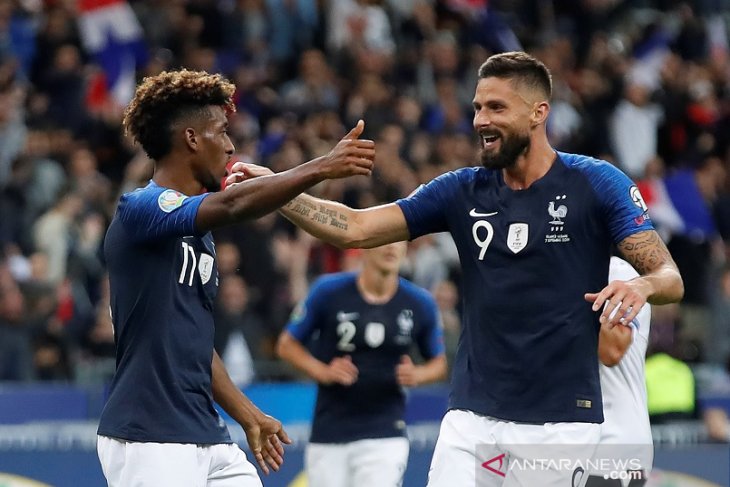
169	176
375	286
531	166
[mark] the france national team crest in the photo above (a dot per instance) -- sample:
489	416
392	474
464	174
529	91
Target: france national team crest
374	334
557	211
170	200
405	325
405	322
517	237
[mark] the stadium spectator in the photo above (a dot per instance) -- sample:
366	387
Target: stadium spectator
15	340
634	128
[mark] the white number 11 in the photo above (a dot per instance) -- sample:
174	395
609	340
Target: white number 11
188	249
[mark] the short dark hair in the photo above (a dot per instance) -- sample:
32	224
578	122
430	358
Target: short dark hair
162	100
521	67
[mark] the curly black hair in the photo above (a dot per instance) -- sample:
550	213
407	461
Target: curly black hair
162	100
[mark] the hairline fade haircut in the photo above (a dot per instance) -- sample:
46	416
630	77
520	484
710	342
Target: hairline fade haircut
161	101
520	68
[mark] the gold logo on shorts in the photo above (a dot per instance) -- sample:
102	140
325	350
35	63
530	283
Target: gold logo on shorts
584	403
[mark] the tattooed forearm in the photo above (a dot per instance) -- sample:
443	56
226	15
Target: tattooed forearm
298	205
660	277
646	251
299	208
318	214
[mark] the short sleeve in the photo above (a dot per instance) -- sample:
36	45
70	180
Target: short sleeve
155	213
621	200
426	209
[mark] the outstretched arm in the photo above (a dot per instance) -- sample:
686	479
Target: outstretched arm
263	433
659	281
255	197
334	222
345	227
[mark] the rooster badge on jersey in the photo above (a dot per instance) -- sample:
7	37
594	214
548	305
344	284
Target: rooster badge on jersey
557	214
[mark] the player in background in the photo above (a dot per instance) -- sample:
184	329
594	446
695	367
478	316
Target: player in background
535	229
159	426
626	442
365	323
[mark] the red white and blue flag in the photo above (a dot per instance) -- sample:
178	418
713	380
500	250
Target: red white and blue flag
113	37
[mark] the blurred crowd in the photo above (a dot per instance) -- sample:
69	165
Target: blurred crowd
643	84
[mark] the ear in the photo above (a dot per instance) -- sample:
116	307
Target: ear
540	113
191	139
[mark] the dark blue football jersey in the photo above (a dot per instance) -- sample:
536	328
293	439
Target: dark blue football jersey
375	337
163	280
528	346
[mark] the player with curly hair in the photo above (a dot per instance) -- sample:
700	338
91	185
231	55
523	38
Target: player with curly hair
159	425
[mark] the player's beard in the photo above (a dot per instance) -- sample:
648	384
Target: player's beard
510	149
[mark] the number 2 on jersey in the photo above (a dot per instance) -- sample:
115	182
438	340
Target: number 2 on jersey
346	331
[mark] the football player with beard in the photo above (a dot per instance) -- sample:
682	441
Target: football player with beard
535	230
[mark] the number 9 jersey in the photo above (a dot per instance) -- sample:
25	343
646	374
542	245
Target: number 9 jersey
528	347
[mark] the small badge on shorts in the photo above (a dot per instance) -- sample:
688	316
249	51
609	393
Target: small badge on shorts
584	403
170	200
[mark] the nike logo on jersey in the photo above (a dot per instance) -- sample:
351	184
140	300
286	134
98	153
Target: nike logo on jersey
474	213
342	316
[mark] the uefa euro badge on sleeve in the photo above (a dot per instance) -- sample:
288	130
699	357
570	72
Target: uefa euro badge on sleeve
170	200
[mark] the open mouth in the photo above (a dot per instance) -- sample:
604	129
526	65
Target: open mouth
489	140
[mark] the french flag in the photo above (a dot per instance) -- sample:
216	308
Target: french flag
112	35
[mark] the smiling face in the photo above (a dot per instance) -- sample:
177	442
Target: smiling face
502	120
212	148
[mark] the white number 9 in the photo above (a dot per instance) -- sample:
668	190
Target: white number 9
482	244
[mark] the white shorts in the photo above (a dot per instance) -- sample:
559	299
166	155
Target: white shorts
137	464
377	462
474	450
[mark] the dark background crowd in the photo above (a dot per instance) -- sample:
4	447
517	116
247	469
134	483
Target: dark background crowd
643	84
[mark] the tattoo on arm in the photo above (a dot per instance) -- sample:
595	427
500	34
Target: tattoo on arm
318	214
645	251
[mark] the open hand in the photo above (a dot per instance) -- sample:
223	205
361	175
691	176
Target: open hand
265	437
